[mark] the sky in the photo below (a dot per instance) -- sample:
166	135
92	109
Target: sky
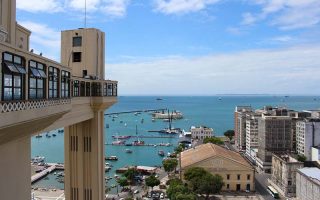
192	47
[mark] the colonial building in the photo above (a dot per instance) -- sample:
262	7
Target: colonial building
201	132
308	184
237	173
283	174
240	114
307	135
39	95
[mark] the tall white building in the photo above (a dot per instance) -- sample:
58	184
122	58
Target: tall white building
201	132
240	125
251	132
307	136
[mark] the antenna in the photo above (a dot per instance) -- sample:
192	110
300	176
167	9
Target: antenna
85	13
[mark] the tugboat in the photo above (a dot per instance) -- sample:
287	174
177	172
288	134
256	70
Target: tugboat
161	153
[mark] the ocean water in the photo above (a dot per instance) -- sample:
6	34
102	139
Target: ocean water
212	111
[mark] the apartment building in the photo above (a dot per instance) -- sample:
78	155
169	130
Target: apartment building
240	114
252	132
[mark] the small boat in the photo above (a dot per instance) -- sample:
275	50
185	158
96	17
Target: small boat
121	122
159	99
107	125
47	135
128	151
55	173
54	135
60	131
129	144
161	153
138	143
125	124
39	136
121	136
153	120
118	142
112	158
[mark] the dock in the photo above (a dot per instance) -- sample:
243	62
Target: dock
145	136
137	111
52	167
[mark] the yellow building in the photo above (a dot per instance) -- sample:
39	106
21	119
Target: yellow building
39	95
237	173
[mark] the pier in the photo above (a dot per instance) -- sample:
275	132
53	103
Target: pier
137	111
143	136
52	167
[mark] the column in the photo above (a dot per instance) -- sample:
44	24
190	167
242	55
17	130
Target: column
15	170
84	159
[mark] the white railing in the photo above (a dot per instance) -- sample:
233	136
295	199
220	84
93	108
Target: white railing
31	104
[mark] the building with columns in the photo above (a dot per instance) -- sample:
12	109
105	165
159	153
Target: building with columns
38	95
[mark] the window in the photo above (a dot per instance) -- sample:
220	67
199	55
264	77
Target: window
228	176
248	176
238	187
76	56
238	176
65	84
77	41
82	88
53	82
228	186
96	89
109	89
13	75
76	88
88	89
37	77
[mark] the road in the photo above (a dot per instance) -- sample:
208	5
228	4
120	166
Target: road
261	185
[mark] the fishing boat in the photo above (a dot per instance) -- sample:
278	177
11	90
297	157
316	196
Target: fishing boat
137	142
161	153
128	151
114	158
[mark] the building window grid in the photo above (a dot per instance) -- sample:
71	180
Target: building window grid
37	77
13	77
53	82
65	84
76	88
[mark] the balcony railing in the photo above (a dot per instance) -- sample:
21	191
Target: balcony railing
11	106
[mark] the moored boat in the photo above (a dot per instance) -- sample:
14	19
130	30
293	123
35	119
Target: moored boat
112	158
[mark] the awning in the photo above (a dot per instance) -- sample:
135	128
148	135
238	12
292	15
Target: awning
35	72
42	74
21	69
11	67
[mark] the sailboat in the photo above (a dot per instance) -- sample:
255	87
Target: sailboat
138	142
170	130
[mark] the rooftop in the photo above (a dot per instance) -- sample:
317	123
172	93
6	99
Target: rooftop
311	172
205	151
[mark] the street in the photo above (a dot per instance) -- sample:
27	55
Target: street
261	185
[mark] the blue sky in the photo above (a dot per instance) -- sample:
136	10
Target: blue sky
192	47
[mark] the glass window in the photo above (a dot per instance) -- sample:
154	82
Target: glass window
77	41
37	80
13	77
248	177
53	82
65	84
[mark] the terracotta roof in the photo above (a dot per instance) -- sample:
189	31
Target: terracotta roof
205	151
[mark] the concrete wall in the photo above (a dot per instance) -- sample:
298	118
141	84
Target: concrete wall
306	189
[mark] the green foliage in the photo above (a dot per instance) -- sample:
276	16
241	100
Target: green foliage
189	196
229	134
152	181
130	174
202	182
174	181
175	189
301	158
169	164
213	140
123	182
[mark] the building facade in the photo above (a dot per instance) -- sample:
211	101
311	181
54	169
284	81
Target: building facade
252	132
39	95
307	136
240	114
201	132
308	183
274	137
237	173
283	174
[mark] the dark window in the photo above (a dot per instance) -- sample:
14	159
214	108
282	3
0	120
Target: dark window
110	89
228	186
248	187
65	84
76	56
228	176
37	79
76	88
248	176
82	88
238	176
53	82
77	41
13	75
88	89
96	89
238	187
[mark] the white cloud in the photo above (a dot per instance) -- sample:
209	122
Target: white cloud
117	8
292	70
284	38
44	39
286	14
91	5
182	6
40	5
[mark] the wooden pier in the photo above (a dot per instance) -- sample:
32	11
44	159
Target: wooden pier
137	111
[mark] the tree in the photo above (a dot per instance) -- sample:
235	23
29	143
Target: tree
194	172
176	188
123	182
229	134
152	181
301	158
213	140
189	196
169	164
130	174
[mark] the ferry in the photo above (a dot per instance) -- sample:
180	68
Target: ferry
115	158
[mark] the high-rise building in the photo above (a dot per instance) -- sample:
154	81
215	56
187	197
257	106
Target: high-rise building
307	136
252	132
274	137
240	115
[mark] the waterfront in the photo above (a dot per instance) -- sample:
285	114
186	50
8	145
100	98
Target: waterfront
209	111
